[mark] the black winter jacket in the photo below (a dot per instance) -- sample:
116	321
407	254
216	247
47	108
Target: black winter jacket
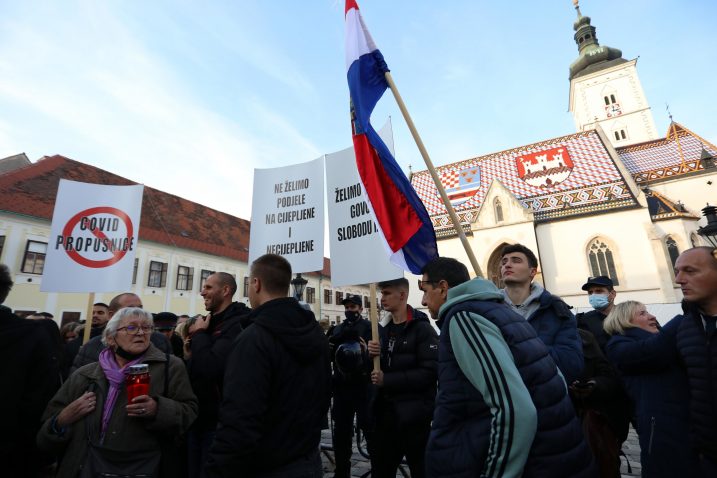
210	348
410	371
30	377
276	393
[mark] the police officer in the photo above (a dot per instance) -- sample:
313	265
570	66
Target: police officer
350	381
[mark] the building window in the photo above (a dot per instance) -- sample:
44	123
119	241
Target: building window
310	295
185	278
34	260
68	317
366	303
672	250
134	271
327	296
601	260
498	207
246	287
607	101
622	134
203	277
2	244
339	297
157	274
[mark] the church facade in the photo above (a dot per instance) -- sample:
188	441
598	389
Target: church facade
615	198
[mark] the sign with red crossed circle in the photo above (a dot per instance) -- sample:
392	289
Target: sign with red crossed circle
93	238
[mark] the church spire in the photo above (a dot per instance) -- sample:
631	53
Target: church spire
593	57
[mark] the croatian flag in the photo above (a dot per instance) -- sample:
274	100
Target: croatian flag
401	217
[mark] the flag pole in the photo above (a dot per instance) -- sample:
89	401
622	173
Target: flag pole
434	175
88	319
373	315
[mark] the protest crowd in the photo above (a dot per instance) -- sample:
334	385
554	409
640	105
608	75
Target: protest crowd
508	382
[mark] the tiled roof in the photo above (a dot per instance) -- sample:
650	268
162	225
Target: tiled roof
589	181
13	162
676	154
166	219
662	208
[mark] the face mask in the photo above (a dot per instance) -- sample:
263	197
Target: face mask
598	301
351	315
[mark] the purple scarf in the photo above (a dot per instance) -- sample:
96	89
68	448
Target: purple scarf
115	376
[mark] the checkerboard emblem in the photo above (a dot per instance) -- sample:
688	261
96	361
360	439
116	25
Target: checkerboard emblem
546	168
461	185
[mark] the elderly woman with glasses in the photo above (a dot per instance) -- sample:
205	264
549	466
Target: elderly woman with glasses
92	404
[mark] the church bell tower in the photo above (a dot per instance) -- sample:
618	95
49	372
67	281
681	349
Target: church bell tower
605	90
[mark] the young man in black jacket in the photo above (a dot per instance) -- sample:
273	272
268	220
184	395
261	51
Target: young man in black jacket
406	382
276	386
351	382
210	342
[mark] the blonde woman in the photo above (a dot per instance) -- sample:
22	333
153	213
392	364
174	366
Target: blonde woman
658	390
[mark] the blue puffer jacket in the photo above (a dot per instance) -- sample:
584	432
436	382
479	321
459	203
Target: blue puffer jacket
482	425
557	328
699	354
659	393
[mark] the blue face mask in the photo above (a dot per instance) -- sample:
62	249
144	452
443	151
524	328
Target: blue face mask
599	301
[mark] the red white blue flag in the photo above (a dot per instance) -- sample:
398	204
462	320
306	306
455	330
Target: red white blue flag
401	216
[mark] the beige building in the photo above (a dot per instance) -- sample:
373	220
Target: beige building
180	244
612	199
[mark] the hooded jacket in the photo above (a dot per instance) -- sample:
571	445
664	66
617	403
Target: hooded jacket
556	326
276	392
502	408
210	349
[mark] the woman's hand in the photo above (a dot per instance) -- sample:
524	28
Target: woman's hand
143	406
79	408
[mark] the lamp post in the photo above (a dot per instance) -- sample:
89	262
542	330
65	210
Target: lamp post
298	283
709	230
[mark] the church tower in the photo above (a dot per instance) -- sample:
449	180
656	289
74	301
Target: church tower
605	90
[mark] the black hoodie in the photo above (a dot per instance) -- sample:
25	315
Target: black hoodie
276	392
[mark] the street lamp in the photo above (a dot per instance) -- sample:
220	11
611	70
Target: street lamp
298	283
709	230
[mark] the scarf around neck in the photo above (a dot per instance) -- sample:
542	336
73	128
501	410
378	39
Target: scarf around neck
115	376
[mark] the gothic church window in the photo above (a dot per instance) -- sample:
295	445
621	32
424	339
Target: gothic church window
498	210
672	250
601	260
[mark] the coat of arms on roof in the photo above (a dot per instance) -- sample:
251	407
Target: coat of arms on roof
461	184
546	168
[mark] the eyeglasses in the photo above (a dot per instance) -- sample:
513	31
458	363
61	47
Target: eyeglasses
134	329
421	283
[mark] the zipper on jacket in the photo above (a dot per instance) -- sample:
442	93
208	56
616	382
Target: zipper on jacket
652	435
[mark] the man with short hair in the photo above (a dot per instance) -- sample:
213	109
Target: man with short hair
276	386
406	383
692	336
165	323
100	317
350	381
502	408
550	317
30	378
210	342
601	295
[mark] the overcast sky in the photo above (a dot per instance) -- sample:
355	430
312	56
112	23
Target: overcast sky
189	97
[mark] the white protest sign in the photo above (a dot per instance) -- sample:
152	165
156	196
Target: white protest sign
93	238
287	215
358	255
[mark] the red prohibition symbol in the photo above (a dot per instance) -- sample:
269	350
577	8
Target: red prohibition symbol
117	254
